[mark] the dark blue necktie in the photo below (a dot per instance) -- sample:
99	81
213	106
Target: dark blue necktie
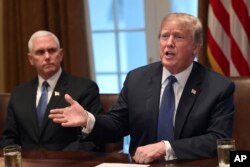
166	113
41	108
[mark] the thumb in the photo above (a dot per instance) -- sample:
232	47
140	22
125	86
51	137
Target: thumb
69	99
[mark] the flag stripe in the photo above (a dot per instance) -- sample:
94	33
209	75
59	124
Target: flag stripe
218	34
217	53
241	12
238	59
228	37
221	15
213	62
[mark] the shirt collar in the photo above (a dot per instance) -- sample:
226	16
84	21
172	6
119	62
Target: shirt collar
181	77
51	81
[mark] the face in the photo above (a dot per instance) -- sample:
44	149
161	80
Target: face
45	56
177	50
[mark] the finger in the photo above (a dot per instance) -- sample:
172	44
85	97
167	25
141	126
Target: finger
136	157
56	111
69	99
56	115
59	120
67	124
53	116
141	160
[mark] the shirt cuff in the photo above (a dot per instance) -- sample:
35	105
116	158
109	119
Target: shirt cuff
90	124
170	154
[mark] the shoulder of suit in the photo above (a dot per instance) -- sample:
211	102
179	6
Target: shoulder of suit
148	67
211	74
25	87
76	79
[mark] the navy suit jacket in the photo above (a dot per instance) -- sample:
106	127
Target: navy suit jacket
201	117
22	125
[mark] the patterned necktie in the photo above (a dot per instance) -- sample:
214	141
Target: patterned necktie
166	113
41	108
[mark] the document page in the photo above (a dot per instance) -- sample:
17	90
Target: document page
120	165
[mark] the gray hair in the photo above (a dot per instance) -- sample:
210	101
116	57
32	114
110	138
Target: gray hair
42	33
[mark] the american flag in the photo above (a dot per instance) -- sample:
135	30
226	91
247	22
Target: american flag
228	37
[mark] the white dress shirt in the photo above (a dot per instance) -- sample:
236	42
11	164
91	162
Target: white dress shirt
52	83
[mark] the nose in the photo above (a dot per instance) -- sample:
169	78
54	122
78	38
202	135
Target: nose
170	41
46	54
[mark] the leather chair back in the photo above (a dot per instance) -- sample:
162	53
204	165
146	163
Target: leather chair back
241	129
4	100
107	101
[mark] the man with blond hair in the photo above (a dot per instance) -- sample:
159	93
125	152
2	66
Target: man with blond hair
174	109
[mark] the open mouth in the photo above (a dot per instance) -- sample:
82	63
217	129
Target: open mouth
169	54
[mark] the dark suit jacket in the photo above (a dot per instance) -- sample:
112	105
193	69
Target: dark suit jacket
22	125
201	118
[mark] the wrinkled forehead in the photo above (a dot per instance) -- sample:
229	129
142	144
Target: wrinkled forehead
178	23
173	27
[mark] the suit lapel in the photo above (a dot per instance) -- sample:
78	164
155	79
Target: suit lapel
190	93
152	101
31	107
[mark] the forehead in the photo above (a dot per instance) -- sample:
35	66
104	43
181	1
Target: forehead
175	27
43	42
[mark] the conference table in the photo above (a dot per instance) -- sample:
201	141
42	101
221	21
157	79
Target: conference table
91	159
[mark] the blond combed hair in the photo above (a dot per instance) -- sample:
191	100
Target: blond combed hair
188	22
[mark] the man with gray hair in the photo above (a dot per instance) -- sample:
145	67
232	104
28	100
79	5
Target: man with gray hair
27	121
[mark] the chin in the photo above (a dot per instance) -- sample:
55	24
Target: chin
167	62
49	71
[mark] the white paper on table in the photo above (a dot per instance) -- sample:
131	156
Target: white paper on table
120	165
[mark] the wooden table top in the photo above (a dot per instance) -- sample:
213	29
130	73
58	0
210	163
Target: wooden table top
88	159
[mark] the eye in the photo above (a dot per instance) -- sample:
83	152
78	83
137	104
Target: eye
179	37
52	50
40	52
164	36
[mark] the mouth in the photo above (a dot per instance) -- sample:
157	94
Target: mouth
169	54
47	65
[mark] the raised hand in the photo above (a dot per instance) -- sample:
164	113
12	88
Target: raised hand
71	116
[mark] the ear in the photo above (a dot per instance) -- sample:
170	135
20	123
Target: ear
196	49
61	54
30	59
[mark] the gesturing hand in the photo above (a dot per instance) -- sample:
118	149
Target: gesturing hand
71	116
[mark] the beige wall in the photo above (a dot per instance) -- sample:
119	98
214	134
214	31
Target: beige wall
1	48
